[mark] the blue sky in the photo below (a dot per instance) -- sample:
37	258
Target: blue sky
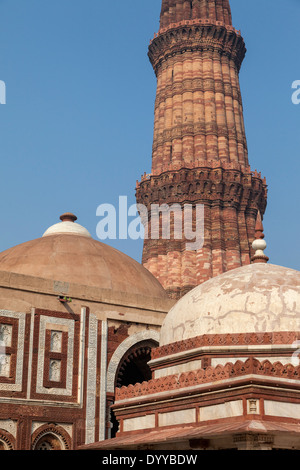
77	126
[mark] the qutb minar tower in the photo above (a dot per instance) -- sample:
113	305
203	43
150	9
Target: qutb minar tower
199	148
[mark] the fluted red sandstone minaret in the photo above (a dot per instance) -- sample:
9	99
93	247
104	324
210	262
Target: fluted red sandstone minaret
199	149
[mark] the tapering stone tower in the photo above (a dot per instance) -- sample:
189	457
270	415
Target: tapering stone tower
199	150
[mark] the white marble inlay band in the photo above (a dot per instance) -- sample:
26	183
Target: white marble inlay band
91	380
21	317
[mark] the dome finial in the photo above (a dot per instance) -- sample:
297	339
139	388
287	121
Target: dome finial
68	217
259	244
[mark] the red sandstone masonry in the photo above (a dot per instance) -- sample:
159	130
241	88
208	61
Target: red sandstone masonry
54	397
231	198
175	11
24	414
200	153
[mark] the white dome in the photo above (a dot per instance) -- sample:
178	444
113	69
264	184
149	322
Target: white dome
255	298
67	226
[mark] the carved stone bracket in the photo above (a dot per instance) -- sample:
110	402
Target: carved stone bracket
249	441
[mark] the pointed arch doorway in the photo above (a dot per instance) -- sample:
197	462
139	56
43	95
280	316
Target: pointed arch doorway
128	366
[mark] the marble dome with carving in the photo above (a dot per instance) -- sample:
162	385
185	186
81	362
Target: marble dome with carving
67	252
255	298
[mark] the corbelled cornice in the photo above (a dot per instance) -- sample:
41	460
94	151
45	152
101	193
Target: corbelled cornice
197	35
205	185
251	367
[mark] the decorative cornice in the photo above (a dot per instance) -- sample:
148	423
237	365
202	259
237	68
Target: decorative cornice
198	21
241	339
204	165
205	185
197	35
209	375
